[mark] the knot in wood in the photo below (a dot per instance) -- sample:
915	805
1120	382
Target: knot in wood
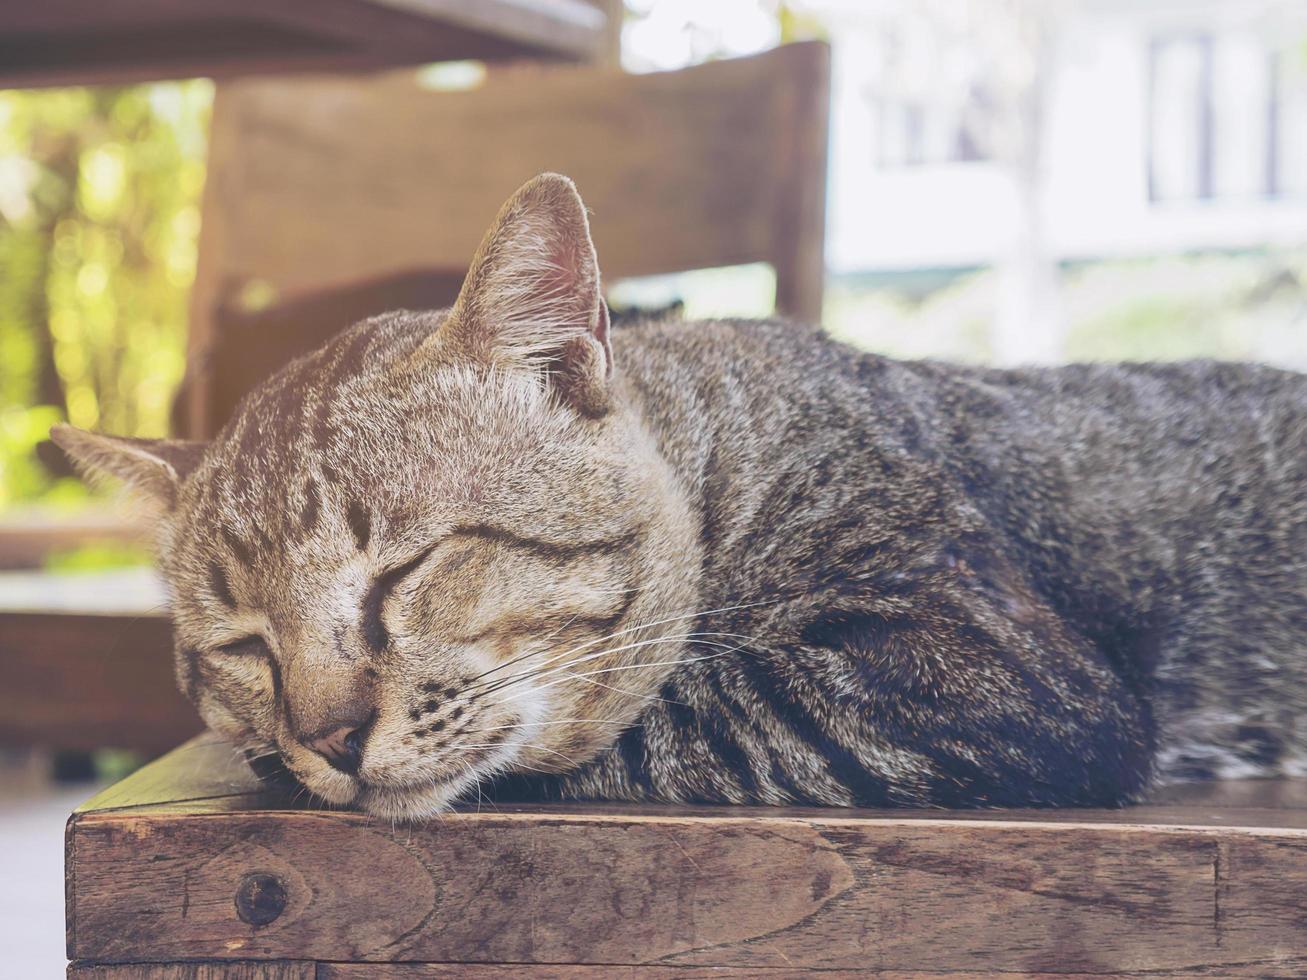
260	898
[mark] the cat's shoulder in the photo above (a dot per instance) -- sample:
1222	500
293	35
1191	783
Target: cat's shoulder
774	344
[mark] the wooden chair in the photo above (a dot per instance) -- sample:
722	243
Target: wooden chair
325	183
188	870
76	679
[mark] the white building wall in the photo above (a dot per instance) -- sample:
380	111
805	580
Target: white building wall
1096	196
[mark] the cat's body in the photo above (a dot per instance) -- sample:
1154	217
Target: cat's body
473	550
1158	512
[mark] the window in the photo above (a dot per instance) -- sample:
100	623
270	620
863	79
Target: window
1227	119
1286	164
914	134
1180	118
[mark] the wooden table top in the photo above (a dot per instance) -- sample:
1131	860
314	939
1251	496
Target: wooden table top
191	859
206	776
77	42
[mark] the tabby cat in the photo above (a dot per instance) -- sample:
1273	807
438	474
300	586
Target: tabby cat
493	549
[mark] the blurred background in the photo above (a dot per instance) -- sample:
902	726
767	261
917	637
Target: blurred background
1007	181
1010	181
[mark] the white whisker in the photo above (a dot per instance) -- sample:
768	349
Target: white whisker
532	724
569	675
628	630
679	638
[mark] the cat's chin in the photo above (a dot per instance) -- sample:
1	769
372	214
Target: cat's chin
418	802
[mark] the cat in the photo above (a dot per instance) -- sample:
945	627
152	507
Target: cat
504	549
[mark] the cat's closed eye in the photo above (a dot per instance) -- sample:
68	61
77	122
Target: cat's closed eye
247	646
374	629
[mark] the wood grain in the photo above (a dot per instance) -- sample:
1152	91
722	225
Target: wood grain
230	970
153	875
282	970
467	971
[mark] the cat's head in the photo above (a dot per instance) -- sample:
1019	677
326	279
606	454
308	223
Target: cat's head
442	547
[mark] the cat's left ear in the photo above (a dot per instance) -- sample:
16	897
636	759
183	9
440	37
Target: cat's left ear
532	300
153	467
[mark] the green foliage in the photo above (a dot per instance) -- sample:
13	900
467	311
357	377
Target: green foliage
97	556
112	765
99	217
798	24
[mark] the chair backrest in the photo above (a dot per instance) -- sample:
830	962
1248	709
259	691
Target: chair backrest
318	182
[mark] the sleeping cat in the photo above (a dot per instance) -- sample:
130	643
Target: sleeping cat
495	549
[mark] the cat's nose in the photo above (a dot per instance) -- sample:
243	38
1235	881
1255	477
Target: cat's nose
342	745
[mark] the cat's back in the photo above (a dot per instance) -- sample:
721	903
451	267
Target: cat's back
1140	415
1119	480
1127	411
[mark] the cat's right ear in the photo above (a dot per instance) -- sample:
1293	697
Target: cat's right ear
152	467
532	301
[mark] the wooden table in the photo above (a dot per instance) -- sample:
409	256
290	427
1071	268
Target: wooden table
78	42
188	869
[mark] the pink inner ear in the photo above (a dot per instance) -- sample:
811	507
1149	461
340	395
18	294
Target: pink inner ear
563	278
534	284
561	274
